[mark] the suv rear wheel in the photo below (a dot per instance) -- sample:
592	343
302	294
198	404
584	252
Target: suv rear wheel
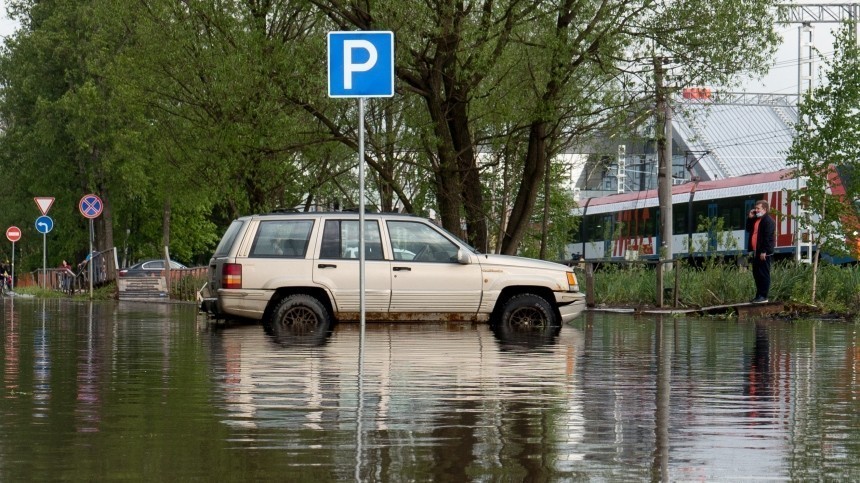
300	314
527	312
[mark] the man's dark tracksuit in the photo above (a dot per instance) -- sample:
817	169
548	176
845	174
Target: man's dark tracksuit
766	240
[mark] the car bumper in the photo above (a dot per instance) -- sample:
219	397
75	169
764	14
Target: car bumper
210	306
570	305
249	304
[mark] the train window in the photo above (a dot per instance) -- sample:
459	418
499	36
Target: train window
648	223
679	219
593	228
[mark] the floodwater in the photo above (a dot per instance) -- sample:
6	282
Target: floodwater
131	391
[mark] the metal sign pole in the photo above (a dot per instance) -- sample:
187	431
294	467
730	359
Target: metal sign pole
361	257
92	260
12	284
361	283
44	260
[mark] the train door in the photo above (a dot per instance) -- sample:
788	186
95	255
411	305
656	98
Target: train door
609	234
713	212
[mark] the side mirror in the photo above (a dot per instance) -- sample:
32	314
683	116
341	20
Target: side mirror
463	257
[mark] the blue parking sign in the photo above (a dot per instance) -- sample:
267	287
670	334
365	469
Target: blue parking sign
361	64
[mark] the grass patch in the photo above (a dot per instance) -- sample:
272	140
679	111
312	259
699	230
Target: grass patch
722	283
105	292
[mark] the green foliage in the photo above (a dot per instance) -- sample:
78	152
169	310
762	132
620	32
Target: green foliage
561	223
828	137
185	115
719	239
719	283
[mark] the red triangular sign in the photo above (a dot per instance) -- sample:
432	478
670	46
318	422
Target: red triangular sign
44	203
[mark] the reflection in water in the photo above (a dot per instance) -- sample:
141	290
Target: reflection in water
89	365
525	338
108	390
300	335
11	350
758	385
42	368
439	393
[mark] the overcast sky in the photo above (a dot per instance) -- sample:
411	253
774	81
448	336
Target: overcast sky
782	78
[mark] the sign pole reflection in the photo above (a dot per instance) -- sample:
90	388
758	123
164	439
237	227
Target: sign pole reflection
360	405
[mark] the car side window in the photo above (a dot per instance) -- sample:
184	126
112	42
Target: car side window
282	239
228	239
413	241
340	240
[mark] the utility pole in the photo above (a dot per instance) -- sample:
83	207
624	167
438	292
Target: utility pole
663	134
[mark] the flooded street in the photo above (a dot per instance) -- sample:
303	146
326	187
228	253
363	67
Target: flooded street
134	391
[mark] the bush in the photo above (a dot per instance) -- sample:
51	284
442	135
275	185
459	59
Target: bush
723	282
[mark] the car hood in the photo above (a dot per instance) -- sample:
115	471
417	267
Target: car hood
519	262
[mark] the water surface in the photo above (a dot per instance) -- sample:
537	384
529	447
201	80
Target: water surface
135	391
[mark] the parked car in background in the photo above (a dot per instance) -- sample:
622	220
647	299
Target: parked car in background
149	268
302	269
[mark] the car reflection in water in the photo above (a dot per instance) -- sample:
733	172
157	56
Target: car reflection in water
297	334
470	381
526	338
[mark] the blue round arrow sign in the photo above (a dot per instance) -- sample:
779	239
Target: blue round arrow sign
44	224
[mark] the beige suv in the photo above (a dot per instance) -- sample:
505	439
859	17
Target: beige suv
302	269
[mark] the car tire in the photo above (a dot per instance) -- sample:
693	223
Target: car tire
299	315
527	312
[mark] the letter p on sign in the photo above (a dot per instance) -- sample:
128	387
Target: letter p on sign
360	64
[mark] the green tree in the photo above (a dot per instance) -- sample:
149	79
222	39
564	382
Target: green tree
826	149
541	75
184	115
60	130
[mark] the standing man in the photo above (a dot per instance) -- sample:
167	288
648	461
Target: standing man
761	231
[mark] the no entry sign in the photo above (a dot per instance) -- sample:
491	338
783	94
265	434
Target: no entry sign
13	234
91	206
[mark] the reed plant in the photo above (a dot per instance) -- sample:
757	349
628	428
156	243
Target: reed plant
728	281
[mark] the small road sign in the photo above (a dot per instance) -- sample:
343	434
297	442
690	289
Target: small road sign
91	206
44	203
13	234
44	224
361	64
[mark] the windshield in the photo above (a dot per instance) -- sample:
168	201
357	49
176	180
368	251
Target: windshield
460	240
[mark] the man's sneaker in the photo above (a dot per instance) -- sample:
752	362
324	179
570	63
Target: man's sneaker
759	300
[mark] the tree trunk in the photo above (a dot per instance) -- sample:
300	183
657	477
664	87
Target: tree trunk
165	223
533	172
544	227
104	223
472	195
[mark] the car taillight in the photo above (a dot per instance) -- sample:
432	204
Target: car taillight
231	275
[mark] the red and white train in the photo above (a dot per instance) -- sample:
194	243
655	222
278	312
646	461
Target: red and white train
626	225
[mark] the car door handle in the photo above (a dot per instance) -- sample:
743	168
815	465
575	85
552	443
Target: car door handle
402	269
326	265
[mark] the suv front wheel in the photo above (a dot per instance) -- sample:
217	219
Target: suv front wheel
527	312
